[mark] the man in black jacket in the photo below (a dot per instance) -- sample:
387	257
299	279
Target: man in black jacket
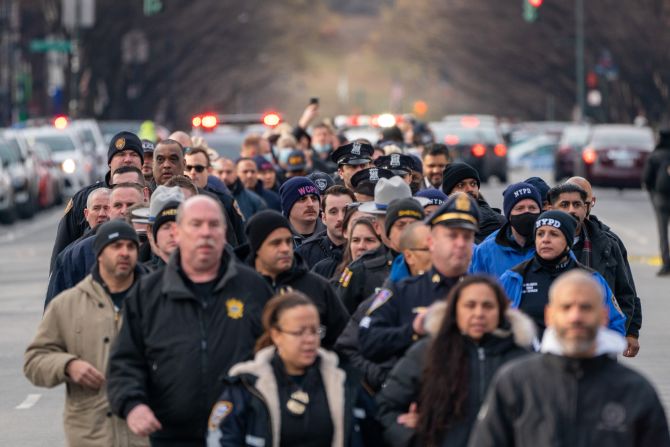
184	326
462	177
125	149
271	254
576	393
656	178
328	243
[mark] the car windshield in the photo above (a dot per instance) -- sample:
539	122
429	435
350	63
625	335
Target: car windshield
57	143
7	154
464	135
632	137
575	136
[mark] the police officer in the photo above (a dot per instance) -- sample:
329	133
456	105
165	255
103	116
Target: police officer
399	164
395	318
125	149
360	279
351	158
147	166
364	182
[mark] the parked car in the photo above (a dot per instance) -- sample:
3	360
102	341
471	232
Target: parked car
573	139
21	170
476	140
90	134
615	155
50	177
75	161
535	153
7	209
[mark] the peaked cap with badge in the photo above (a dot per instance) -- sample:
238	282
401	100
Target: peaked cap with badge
459	211
364	181
399	164
356	153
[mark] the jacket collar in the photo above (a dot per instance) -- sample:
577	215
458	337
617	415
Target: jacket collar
332	376
175	282
607	342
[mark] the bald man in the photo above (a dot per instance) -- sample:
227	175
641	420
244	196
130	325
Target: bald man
413	246
609	257
157	381
576	392
182	138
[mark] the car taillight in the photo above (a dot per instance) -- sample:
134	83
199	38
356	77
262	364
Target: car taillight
209	121
478	150
589	155
500	150
197	121
451	140
60	122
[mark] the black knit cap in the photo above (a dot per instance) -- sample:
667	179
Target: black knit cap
112	231
456	172
400	208
261	224
167	214
125	141
561	221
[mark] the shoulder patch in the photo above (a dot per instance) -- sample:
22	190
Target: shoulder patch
382	297
221	409
68	207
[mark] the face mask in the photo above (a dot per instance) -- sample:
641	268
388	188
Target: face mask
322	148
268	157
524	224
283	155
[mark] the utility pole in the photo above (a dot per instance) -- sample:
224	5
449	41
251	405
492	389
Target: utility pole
579	58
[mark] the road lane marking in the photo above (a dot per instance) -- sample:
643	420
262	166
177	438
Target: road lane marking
654	261
28	402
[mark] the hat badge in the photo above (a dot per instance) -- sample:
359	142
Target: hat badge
321	183
395	160
356	149
462	202
120	143
374	174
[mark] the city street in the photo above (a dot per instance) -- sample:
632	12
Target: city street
31	416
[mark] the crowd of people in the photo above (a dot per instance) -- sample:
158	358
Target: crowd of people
324	292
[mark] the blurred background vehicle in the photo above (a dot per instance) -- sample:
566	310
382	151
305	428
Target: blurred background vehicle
537	152
225	133
615	154
75	160
50	177
570	146
21	168
7	204
476	140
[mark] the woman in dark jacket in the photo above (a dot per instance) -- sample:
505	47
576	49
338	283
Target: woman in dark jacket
292	392
433	394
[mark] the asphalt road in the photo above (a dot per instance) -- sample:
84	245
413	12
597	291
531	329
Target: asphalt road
31	416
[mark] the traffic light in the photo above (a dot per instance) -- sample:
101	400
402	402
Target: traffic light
152	7
530	8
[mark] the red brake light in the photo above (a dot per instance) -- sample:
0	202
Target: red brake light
271	119
209	121
500	150
60	122
478	150
197	121
589	155
535	3
451	140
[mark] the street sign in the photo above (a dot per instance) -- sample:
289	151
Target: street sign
42	46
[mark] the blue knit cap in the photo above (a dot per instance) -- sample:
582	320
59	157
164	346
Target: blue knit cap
541	186
293	189
516	192
435	196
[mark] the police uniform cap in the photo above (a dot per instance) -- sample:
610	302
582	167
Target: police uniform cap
399	164
356	153
363	182
296	161
459	211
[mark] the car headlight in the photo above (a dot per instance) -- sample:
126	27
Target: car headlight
69	166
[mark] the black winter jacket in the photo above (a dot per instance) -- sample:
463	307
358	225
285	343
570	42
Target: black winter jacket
174	346
332	312
660	157
403	385
489	220
550	400
318	248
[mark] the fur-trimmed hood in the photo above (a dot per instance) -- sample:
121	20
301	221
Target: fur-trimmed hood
520	325
332	376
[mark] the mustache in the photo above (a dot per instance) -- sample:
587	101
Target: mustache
209	242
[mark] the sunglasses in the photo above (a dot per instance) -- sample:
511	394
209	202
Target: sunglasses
198	168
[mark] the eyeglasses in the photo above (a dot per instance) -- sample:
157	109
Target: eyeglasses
577	204
320	332
198	168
